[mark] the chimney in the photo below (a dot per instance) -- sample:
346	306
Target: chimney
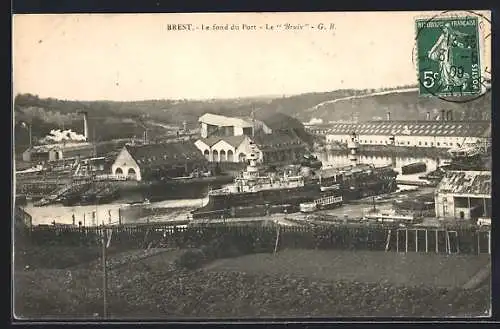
388	116
428	116
442	115
85	126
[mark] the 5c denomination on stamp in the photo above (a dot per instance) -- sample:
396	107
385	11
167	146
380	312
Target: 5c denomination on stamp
448	56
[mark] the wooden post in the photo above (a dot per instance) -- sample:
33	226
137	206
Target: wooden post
437	241
478	237
388	240
448	242
104	274
489	242
426	240
277	240
416	240
485	212
406	242
397	240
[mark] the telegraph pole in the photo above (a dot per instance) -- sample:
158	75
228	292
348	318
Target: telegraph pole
104	273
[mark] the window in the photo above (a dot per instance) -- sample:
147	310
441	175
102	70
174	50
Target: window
437	143
425	143
408	143
445	207
419	143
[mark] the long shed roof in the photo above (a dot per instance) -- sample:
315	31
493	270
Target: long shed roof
154	155
412	128
466	182
224	121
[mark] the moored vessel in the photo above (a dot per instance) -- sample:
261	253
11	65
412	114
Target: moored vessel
270	192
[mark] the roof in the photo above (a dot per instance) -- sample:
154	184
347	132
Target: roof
466	182
278	120
154	155
413	128
234	141
277	140
60	146
223	121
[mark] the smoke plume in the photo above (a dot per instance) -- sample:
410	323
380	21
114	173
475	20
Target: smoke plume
57	135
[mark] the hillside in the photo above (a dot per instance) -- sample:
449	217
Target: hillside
110	119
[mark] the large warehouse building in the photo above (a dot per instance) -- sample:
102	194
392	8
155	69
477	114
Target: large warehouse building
444	133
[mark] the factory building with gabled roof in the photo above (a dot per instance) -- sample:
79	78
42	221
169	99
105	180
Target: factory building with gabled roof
142	162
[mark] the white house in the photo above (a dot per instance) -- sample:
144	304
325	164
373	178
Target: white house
224	149
464	195
270	148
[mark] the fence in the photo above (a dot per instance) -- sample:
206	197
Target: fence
382	238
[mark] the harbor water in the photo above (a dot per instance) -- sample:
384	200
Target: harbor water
91	215
179	209
337	160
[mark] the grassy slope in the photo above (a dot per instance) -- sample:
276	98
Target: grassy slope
256	286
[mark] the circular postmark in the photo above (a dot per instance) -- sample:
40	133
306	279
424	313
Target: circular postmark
451	53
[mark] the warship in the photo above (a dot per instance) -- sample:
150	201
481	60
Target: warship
253	192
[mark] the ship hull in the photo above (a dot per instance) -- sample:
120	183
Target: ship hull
244	204
266	201
133	191
170	190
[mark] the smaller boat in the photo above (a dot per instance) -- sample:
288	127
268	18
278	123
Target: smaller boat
139	203
311	161
414	168
308	207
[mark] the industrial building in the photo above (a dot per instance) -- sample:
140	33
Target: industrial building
423	133
270	148
64	149
223	126
150	161
464	195
60	151
277	137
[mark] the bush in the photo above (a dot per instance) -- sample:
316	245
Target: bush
191	259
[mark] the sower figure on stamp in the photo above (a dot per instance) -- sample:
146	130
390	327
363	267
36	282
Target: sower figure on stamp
442	52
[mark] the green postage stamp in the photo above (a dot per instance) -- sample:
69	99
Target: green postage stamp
448	56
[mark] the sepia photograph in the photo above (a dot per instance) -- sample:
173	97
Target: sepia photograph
251	166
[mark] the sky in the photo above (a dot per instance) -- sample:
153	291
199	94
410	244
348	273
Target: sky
128	57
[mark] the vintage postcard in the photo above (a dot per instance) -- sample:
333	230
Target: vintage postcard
252	165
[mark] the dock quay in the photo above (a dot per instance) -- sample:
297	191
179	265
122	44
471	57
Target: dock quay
419	183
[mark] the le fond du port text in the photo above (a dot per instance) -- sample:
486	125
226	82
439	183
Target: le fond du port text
250	27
